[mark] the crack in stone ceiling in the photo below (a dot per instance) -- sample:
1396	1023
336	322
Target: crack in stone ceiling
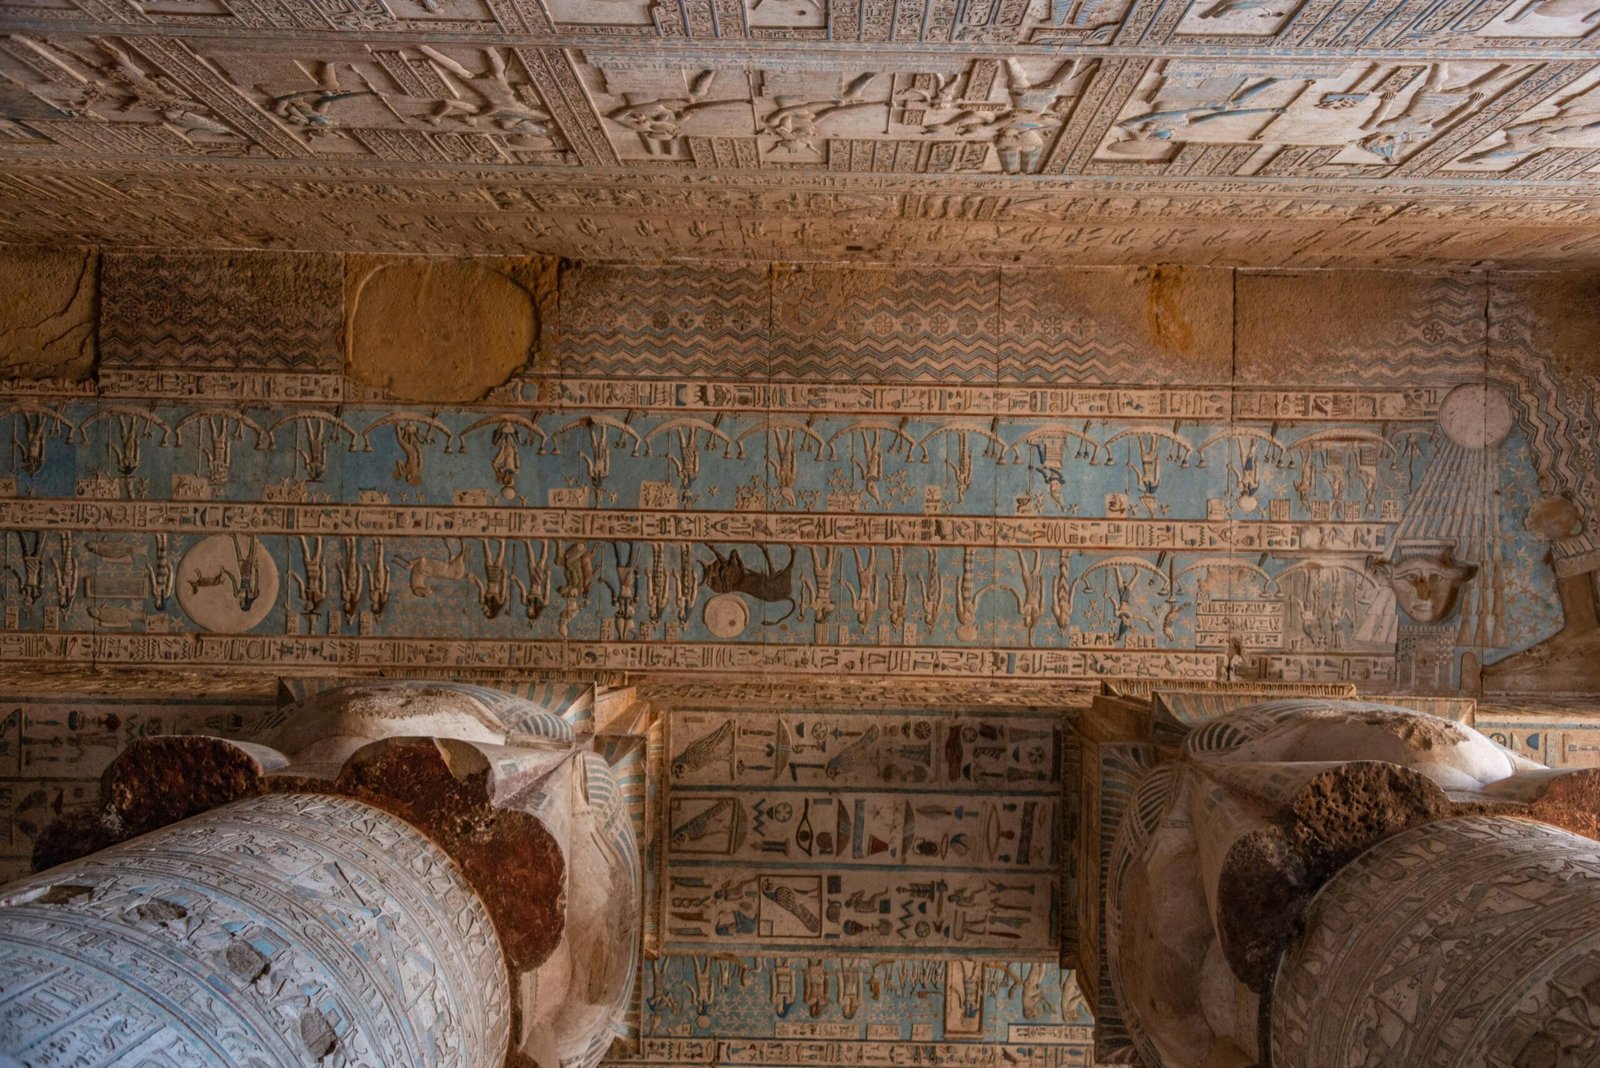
1256	132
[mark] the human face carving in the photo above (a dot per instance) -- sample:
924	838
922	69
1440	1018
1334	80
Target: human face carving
1427	587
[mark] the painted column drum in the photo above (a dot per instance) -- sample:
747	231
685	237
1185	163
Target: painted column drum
283	930
1463	943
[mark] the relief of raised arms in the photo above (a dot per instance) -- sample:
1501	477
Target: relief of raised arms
658	585
162	575
1030	599
864	596
817	592
784	466
64	572
968	592
578	572
379	586
314	585
125	447
217	450
1061	593
625	590
930	588
247	557
898	585
535	593
494	589
687	463
30	448
351	583
688	582
961	467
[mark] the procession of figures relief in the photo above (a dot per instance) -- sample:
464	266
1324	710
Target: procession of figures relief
1378	542
1022	115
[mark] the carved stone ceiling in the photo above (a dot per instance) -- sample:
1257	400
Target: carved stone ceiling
1312	132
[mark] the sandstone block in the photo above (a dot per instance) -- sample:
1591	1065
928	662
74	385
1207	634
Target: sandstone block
47	312
437	330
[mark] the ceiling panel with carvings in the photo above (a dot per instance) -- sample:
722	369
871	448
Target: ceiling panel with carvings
1330	132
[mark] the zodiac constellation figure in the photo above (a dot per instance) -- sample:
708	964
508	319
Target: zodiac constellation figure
308	108
488	95
658	121
797	125
1020	131
1523	140
1164	124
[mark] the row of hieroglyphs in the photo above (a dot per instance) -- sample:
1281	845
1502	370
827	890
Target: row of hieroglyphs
861	997
354	102
877	1005
1118	219
930	834
1084	22
772	531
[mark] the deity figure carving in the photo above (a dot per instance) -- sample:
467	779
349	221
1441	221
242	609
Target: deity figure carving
1426	586
1568	660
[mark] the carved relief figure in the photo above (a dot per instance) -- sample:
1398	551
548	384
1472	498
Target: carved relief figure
489	95
1575	124
796	125
1426	106
308	108
771	585
1426	587
1022	132
426	570
128	84
658	121
1170	111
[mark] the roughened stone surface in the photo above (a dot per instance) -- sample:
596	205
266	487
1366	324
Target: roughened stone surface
1337	323
1149	324
47	312
437	330
1563	316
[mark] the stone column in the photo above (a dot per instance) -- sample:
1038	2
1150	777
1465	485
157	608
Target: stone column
423	875
1463	943
1333	884
284	929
